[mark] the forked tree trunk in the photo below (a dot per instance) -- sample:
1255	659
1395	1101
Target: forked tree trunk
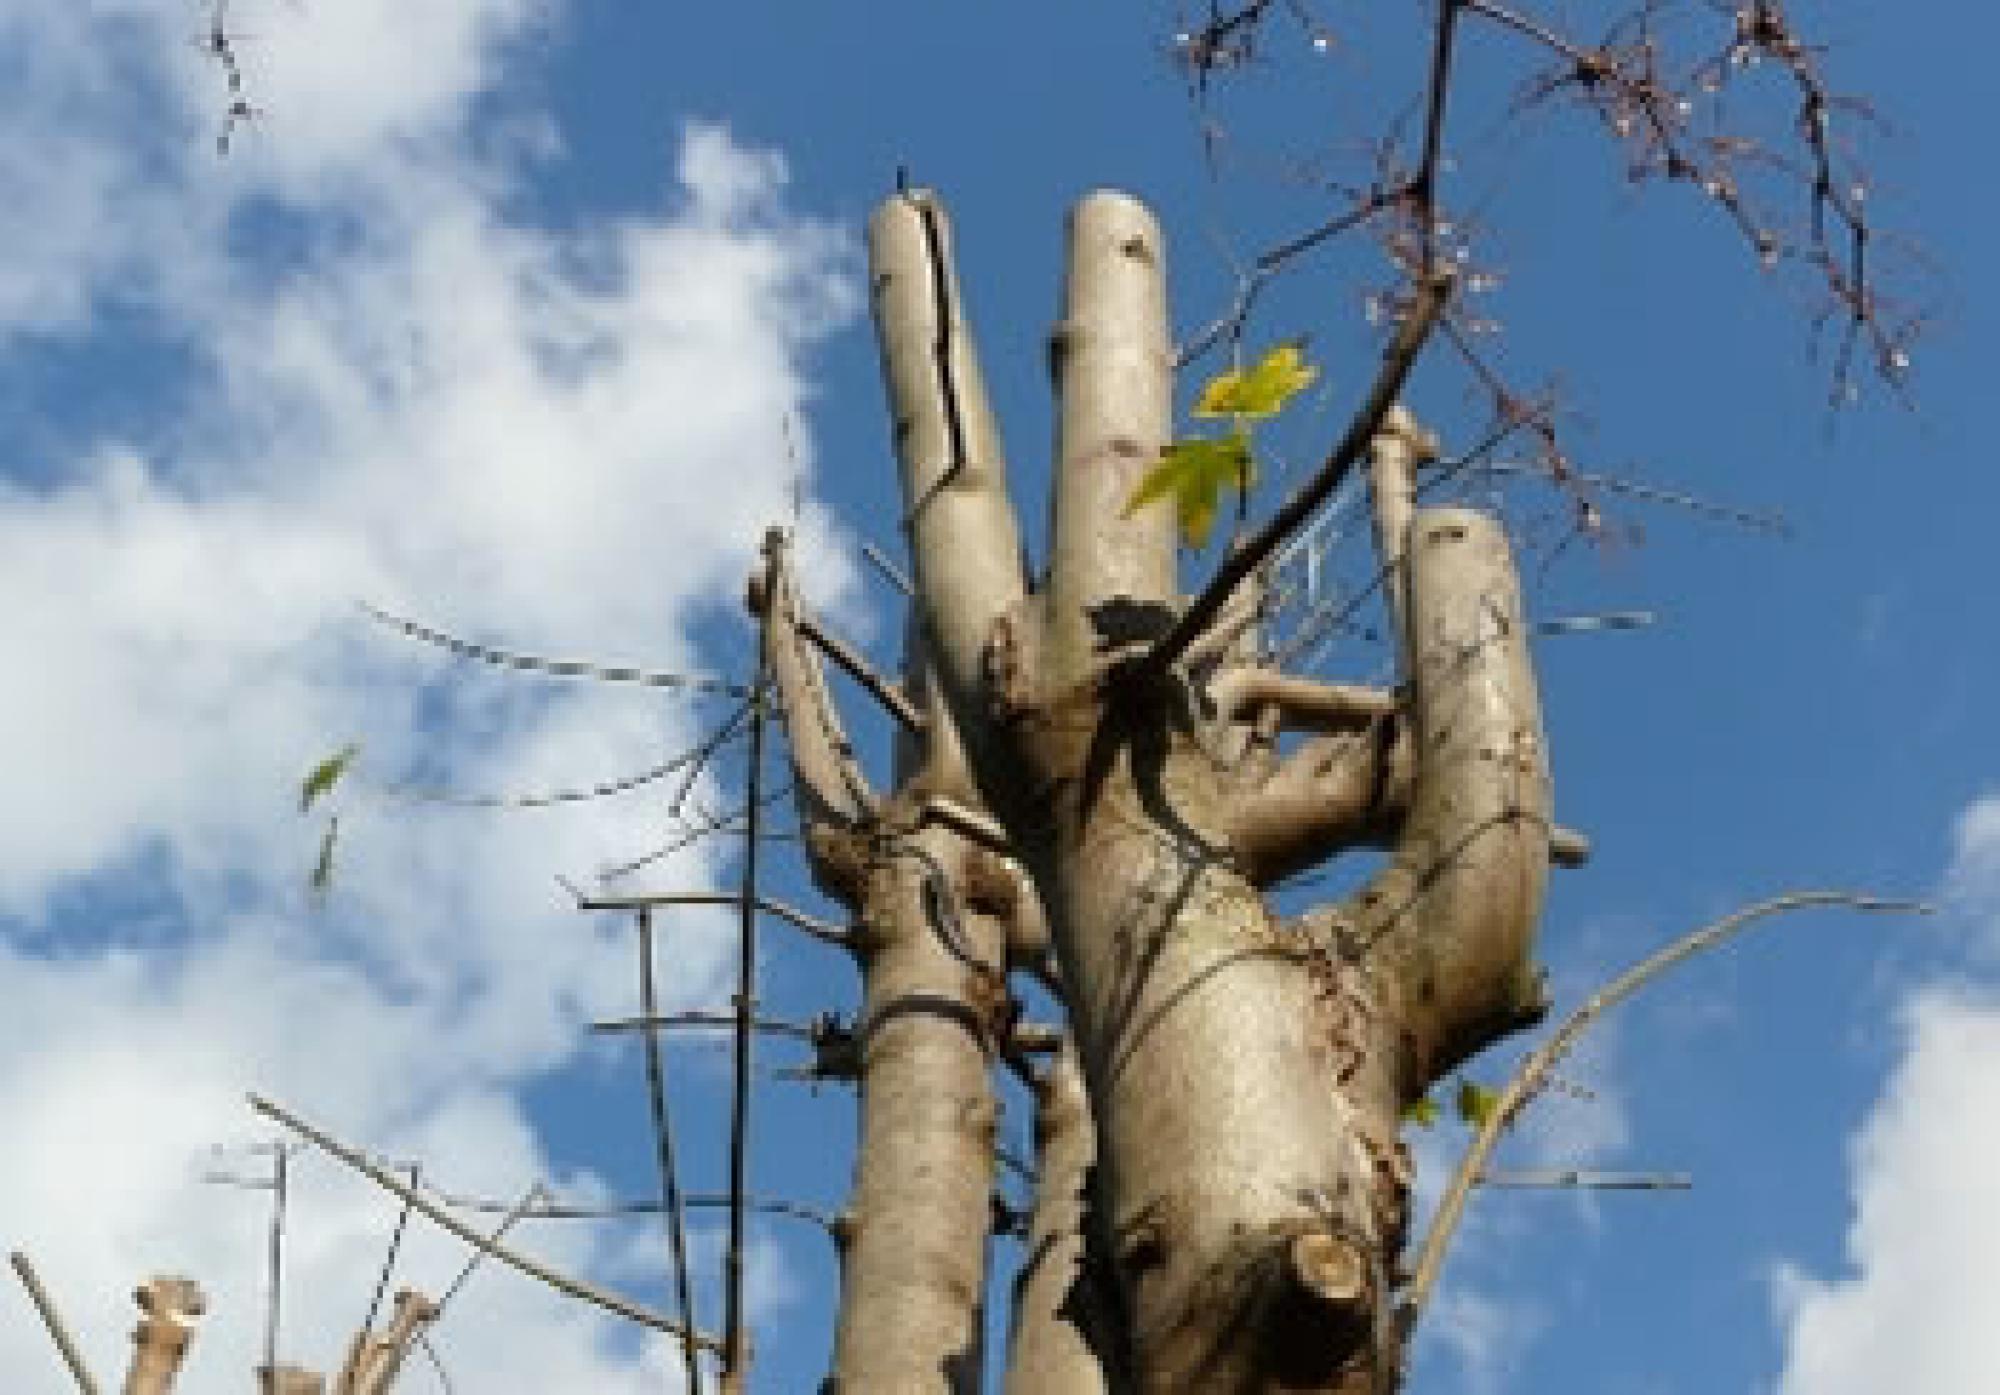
1247	1075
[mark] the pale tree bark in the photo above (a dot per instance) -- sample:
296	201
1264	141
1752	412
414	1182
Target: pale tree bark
931	914
374	1361
170	1308
1066	1335
1247	1076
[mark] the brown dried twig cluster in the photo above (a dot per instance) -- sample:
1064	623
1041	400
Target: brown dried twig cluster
1668	97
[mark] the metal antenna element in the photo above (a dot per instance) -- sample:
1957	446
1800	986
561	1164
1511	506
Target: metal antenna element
562	1283
528	1198
389	1259
274	1294
735	1360
663	1143
554	668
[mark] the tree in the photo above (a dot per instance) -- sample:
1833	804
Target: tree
1096	764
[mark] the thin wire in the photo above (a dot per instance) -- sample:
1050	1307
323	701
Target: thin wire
279	1190
555	668
746	1006
389	1260
624	784
527	1200
663	1142
437	1363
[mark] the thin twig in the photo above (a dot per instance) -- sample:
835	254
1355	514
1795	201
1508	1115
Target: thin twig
1534	1069
889	570
1438	91
52	1320
1763	521
534	1269
1432	294
663	1142
849	661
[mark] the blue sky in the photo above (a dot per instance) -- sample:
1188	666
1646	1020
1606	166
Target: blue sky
498	316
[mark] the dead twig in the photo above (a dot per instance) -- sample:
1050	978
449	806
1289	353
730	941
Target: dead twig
1530	1076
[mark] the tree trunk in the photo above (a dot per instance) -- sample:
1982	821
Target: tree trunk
931	943
1247	1076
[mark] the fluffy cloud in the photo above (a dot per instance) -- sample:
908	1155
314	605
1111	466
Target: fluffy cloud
422	402
1915	1312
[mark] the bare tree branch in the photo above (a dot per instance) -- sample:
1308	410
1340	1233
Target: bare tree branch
437	1215
1529	1077
58	1330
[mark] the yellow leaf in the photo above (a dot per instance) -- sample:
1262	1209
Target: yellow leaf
1476	1102
1260	390
326	775
1193	473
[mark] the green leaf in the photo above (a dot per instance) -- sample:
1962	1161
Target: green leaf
322	872
326	775
1423	1113
1476	1103
1192	472
1260	390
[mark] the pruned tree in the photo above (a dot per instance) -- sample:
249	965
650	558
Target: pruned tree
1104	774
1248	1074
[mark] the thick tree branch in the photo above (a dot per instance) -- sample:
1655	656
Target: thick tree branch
1533	1072
1113	368
824	765
1302	704
172	1307
913	1237
965	542
1393	457
1339	790
373	1362
1451	918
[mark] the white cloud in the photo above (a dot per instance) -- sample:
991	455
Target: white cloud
1916	1311
1972	885
519	434
1486	1336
